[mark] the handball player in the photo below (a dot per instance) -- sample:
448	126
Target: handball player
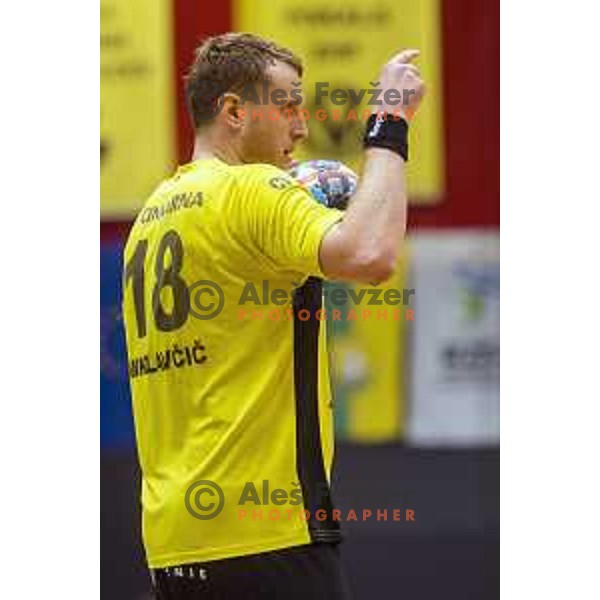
232	404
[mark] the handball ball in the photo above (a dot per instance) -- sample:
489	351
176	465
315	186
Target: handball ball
329	181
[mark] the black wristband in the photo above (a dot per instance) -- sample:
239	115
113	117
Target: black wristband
387	131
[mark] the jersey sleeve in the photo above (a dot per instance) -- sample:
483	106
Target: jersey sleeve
286	223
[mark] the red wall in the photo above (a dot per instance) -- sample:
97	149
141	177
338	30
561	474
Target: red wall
471	84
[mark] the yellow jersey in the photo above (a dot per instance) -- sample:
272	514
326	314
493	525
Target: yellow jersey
228	364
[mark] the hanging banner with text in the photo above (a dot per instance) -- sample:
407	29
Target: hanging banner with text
454	397
344	44
367	347
137	131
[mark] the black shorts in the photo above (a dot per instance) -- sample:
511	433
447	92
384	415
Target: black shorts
312	572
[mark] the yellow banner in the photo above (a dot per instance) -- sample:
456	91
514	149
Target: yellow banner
367	349
137	129
345	43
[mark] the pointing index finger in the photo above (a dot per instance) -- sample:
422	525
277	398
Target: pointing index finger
405	56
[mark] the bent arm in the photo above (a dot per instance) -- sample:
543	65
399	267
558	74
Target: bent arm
364	246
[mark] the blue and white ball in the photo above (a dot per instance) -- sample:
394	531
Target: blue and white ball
330	182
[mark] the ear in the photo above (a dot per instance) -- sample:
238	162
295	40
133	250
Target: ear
232	113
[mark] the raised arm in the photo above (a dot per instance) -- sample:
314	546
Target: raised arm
365	244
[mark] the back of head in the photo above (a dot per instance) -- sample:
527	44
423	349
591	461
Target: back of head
228	63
